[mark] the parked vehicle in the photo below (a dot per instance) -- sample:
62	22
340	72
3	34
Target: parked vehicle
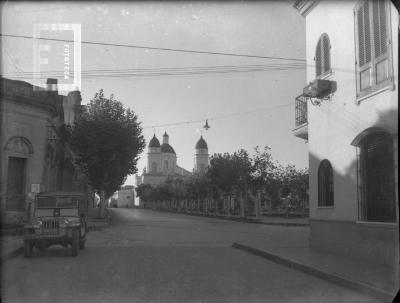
56	218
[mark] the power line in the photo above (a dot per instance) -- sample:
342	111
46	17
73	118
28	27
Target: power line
220	117
159	74
158	48
275	65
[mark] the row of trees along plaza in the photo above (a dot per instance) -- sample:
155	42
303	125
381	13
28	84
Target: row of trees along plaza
234	185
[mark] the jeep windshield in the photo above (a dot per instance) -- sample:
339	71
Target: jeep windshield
57	201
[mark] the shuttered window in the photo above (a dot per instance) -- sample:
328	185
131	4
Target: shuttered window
325	184
373	56
377	178
322	56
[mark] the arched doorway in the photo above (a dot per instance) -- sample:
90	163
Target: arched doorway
18	151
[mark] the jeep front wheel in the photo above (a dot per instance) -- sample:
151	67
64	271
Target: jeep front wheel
75	242
27	249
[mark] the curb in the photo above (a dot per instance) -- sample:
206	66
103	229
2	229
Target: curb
104	223
308	269
12	254
254	221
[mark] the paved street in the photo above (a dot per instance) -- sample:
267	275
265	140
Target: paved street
147	256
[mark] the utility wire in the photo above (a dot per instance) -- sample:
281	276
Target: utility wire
176	68
150	72
157	48
221	116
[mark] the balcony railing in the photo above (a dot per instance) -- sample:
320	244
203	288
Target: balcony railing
301	110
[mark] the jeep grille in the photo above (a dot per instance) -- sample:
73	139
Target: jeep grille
50	227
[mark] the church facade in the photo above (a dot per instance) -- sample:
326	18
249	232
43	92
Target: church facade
162	161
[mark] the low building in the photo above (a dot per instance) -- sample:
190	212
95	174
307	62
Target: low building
34	154
125	197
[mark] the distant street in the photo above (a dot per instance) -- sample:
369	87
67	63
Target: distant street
147	256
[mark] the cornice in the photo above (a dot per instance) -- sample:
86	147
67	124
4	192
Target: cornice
305	6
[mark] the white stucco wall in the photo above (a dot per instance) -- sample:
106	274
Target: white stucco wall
201	157
154	155
171	159
126	198
334	124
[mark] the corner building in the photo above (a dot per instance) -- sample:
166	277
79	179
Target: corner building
353	136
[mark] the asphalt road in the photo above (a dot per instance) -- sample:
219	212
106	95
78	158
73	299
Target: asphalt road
147	256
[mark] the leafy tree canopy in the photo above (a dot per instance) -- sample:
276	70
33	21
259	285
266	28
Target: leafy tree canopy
108	141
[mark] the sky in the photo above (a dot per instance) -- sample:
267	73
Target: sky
248	101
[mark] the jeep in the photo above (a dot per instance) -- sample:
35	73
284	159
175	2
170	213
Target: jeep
56	218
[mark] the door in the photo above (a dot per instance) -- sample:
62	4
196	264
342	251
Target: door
16	184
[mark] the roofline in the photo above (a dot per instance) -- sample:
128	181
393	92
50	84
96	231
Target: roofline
62	193
305	6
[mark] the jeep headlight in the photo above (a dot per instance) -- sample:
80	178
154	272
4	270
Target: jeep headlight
37	224
64	222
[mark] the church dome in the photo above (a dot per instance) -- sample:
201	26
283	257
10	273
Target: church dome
201	144
154	142
166	148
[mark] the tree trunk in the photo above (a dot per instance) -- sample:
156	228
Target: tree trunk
229	206
241	205
102	205
258	205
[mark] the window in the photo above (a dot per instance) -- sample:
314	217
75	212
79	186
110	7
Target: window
373	54
166	164
376	170
325	184
323	56
154	167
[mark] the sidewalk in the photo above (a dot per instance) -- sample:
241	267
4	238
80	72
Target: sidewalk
372	279
12	245
267	220
97	223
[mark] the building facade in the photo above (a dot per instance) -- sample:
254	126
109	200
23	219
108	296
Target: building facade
162	161
34	155
124	198
348	114
201	158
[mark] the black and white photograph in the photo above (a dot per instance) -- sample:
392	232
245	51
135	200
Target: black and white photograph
199	151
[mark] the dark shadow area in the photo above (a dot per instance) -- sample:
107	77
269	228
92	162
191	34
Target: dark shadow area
346	228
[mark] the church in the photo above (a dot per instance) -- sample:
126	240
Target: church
161	161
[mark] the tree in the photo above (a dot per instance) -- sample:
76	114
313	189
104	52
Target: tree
144	191
267	175
108	140
296	183
230	171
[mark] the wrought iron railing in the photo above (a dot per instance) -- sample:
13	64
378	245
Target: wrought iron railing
301	110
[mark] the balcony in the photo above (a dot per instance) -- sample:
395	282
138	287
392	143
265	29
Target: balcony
301	122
